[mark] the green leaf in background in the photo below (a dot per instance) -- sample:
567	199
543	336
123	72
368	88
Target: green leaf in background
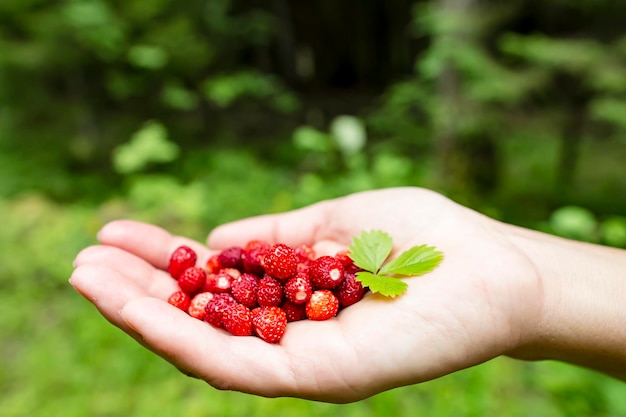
349	133
387	286
416	261
574	222
613	231
370	250
310	139
147	56
148	145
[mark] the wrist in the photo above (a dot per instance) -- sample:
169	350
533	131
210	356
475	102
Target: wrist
583	289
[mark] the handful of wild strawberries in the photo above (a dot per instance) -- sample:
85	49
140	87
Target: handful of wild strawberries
258	288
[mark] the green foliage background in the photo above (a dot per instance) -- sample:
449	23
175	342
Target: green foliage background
191	114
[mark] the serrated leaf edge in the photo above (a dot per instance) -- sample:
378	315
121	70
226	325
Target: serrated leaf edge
432	259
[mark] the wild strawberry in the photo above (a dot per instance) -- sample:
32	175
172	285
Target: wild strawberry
326	272
347	262
252	256
192	280
231	257
237	320
269	292
220	282
298	289
233	272
269	323
280	261
303	268
294	312
182	258
180	299
213	264
214	309
244	289
349	291
198	304
322	305
305	253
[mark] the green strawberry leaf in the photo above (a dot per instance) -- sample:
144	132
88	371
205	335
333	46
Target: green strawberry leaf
418	260
387	286
370	250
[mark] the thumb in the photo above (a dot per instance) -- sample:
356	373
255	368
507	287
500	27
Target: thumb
302	226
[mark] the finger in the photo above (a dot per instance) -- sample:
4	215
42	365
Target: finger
302	226
107	289
147	241
155	282
224	361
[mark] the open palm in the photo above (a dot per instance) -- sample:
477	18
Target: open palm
472	308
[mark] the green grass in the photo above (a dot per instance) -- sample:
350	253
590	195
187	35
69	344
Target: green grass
58	356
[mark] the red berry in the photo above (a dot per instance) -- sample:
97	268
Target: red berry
252	256
280	261
244	289
180	299
305	253
182	258
198	305
213	264
231	257
192	280
214	310
347	262
322	306
269	292
349	291
326	272
298	289
237	320
294	312
269	323
303	268
220	282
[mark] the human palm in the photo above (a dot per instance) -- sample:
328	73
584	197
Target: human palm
472	308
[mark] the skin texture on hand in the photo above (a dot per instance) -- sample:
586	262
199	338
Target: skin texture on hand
484	300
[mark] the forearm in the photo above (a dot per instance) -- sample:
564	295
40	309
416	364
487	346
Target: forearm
584	303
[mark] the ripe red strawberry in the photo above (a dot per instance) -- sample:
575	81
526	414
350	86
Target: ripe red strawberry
198	305
269	292
303	268
233	272
231	257
237	320
298	289
182	258
252	256
294	312
192	280
280	261
305	253
244	289
326	272
269	323
347	262
180	299
213	264
349	291
214	310
220	282
322	306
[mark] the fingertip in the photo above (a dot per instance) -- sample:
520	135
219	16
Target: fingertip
115	229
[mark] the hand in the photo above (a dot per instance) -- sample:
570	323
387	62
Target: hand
480	303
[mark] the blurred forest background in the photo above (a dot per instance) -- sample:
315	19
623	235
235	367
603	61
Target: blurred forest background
190	114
